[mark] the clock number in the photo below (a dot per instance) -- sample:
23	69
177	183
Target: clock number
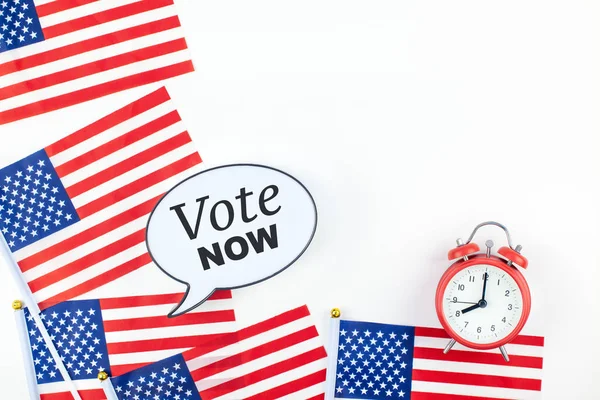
485	277
478	329
504	319
506	293
493	328
510	306
458	313
466	323
461	287
471	279
498	282
454	299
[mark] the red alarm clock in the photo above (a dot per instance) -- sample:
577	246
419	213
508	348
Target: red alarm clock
483	300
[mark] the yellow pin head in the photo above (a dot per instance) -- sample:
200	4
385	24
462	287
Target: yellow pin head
17	305
336	313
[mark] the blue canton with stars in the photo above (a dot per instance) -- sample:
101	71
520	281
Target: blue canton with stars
374	361
33	201
19	24
168	379
77	333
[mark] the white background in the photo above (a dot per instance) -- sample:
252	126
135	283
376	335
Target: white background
410	122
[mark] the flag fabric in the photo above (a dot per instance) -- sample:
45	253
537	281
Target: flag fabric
382	361
74	213
118	335
58	53
281	357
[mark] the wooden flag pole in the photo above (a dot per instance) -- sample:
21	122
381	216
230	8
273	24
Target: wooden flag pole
34	309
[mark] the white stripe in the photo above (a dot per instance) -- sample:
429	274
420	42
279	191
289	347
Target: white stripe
112	133
162	310
59	387
135	174
276	381
90	57
170	331
40	2
122	154
469	390
263	362
481	369
513	349
81	11
249	343
89	81
88	33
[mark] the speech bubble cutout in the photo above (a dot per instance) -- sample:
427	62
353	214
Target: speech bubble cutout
230	227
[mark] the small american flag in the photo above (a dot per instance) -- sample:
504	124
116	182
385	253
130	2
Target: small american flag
58	53
381	361
74	213
281	356
118	335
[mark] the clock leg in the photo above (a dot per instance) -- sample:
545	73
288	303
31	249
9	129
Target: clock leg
504	353
449	346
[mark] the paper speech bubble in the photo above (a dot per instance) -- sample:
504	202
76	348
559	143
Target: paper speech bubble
229	227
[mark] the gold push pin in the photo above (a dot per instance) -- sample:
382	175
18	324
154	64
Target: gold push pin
17	305
102	376
336	313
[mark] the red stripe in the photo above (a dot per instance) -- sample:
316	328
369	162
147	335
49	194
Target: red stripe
318	397
85	46
129	164
139	346
478	357
136	108
88	261
88	235
248	332
477	380
255	353
91	394
154	300
59	5
95	92
103	17
438	396
94	67
119	143
264	373
137	186
440	333
98	281
206	317
293	387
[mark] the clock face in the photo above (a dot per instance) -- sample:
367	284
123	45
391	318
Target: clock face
475	318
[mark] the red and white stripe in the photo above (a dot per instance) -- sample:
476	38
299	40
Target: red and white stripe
138	333
115	171
465	374
282	357
92	48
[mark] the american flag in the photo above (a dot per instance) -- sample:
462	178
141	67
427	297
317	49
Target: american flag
74	213
58	53
382	361
281	357
118	335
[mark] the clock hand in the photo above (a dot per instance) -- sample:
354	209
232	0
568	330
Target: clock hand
463	302
485	278
473	307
